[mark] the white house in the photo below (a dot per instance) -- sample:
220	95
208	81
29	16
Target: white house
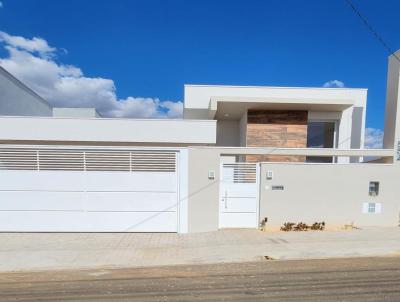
240	155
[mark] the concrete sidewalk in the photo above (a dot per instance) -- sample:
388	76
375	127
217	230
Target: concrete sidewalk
44	251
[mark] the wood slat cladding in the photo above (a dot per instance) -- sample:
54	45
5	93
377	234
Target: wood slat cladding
276	128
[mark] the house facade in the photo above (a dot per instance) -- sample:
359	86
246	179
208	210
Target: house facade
240	157
281	117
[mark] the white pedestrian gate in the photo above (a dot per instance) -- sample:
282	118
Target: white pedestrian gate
239	202
88	190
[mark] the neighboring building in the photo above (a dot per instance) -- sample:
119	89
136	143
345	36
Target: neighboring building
76	112
241	155
16	99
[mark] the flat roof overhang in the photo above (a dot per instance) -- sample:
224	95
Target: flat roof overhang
222	107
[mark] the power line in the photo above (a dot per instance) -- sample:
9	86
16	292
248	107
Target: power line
372	30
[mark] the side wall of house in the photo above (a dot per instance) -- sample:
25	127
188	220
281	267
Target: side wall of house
333	193
243	130
76	112
228	133
102	131
392	112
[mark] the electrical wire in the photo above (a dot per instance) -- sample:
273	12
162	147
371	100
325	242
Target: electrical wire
372	30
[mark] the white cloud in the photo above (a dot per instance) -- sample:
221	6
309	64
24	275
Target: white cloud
38	45
32	61
373	138
334	84
175	109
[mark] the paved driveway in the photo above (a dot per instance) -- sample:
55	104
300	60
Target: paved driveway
42	251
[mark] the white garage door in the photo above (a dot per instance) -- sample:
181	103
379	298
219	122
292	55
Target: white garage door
64	190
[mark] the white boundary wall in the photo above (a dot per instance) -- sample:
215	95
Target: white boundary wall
334	193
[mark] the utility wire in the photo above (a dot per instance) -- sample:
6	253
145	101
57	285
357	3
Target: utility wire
372	30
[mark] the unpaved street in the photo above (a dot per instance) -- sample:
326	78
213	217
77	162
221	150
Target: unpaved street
357	279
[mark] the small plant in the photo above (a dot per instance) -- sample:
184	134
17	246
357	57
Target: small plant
301	227
287	226
318	226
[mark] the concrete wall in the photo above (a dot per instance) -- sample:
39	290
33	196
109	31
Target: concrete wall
76	112
199	96
102	130
333	193
358	128
228	133
203	192
328	192
243	130
16	99
392	112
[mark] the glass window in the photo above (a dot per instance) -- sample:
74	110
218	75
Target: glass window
320	135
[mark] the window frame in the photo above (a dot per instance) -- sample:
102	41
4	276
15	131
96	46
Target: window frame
335	129
335	133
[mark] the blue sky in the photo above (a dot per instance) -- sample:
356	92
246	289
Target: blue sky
149	49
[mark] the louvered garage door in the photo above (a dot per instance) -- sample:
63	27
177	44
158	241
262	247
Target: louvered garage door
64	190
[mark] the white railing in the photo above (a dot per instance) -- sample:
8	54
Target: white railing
304	151
87	160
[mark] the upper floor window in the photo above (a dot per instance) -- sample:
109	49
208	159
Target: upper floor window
321	134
